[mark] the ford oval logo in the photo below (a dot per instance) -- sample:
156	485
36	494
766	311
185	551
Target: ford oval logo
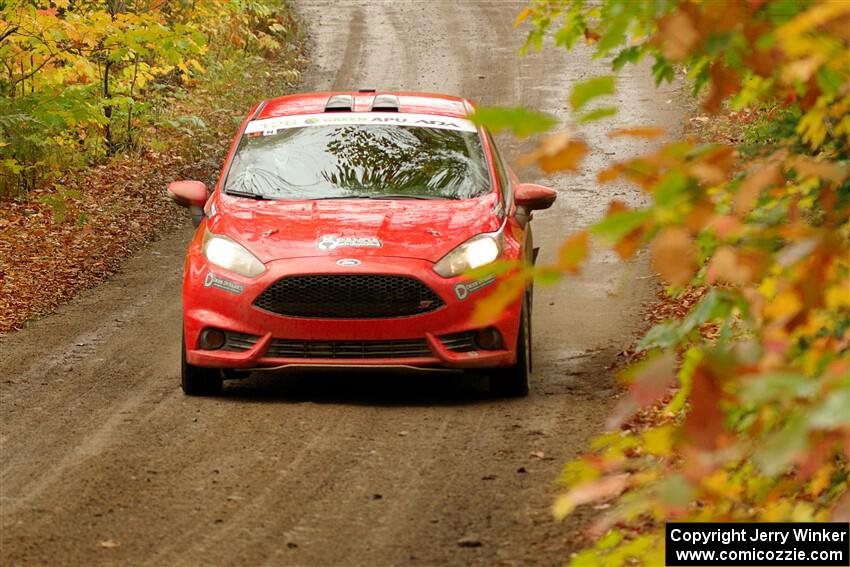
348	262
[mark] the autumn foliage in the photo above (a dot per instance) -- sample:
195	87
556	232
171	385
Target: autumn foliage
740	408
80	191
84	79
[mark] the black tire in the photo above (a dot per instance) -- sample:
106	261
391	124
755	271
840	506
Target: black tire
197	380
512	382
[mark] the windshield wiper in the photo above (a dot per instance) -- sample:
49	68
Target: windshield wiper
248	195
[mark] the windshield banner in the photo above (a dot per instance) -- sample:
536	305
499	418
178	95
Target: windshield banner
270	126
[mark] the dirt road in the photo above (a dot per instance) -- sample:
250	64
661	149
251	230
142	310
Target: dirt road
104	461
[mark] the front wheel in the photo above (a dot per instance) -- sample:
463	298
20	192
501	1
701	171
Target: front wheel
512	382
197	380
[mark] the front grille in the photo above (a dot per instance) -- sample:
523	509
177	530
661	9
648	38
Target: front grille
348	296
290	348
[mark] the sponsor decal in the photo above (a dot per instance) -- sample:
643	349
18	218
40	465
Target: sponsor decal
348	262
462	290
272	126
332	242
215	281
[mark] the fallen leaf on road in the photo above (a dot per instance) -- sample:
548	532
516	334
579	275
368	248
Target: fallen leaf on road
109	543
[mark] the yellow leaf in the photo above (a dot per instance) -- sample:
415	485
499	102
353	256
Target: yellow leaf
720	483
821	481
572	252
838	296
785	305
659	441
520	18
562	507
776	511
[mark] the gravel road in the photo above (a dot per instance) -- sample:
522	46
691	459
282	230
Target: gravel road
105	462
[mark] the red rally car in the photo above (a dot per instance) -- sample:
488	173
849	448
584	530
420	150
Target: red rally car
339	234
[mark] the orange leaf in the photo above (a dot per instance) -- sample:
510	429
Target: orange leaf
677	35
724	82
572	252
639	132
520	18
700	215
653	378
674	255
736	267
725	226
605	487
591	36
557	153
629	244
492	306
752	186
810	167
610	174
704	424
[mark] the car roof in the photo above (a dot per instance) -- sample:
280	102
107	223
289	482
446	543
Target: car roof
410	102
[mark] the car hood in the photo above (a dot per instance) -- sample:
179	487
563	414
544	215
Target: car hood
424	229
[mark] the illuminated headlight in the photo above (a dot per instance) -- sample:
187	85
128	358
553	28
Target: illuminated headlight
230	255
476	252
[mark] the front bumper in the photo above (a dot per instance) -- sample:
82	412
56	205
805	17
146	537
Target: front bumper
231	308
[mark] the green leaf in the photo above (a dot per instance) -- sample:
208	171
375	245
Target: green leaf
615	226
668	192
662	335
593	88
676	491
598	114
628	55
768	387
519	120
781	447
833	412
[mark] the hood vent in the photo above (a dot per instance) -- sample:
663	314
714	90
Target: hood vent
340	103
385	103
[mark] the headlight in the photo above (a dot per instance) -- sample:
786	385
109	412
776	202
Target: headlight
230	255
476	252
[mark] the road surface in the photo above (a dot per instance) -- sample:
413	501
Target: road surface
104	461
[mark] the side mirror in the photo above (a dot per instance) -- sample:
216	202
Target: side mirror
534	197
188	193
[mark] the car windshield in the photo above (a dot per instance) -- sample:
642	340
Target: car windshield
298	159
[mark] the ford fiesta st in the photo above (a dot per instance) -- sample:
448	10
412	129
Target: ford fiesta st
339	234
